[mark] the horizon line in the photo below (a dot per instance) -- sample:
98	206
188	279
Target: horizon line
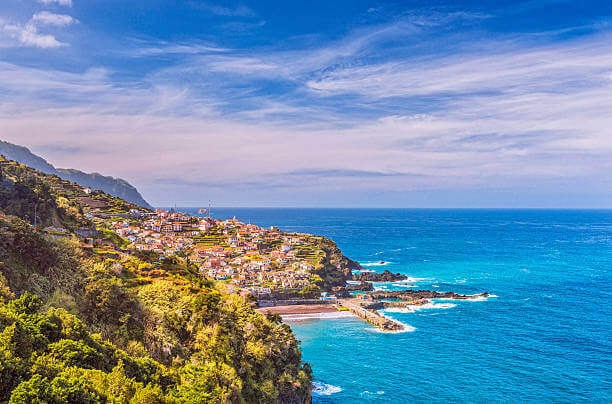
388	208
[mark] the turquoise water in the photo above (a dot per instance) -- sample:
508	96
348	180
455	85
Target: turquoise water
545	337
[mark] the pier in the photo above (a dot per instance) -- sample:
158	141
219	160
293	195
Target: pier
367	310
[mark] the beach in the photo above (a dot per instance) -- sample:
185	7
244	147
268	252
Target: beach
295	309
301	312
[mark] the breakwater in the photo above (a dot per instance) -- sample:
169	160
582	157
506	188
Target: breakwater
367	310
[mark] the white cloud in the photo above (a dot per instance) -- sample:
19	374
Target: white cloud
29	34
67	3
47	18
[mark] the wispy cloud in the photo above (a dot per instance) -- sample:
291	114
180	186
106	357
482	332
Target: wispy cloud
560	68
343	173
371	112
165	48
239	10
47	18
67	3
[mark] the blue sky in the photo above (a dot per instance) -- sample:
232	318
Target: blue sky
343	103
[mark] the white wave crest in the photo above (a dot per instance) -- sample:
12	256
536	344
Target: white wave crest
324	389
407	328
399	310
479	298
374	263
404	285
411	279
426	306
370	394
362	271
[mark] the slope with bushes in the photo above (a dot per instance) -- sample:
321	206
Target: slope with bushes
76	326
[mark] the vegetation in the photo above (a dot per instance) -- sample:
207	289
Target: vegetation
110	185
76	326
57	202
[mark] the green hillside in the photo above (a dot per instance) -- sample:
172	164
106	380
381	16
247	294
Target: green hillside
78	326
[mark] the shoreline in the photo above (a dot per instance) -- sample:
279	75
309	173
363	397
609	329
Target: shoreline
289	318
304	312
299	309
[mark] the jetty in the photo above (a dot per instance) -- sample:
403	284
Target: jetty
368	310
366	306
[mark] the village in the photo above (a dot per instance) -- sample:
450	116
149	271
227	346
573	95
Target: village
264	262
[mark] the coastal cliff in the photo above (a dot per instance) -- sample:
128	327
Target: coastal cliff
335	268
85	319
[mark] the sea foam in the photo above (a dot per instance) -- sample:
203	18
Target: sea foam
426	306
411	280
324	389
407	328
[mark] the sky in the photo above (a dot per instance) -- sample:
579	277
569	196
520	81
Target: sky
321	103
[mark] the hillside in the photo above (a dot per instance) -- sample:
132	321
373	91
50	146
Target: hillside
113	186
56	202
82	325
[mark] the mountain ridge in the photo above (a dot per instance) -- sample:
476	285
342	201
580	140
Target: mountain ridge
113	186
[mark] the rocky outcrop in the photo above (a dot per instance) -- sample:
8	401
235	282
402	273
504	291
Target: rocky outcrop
419	295
386	276
362	287
335	268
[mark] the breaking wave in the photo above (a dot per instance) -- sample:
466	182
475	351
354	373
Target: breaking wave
324	389
374	263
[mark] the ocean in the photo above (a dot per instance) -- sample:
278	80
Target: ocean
544	335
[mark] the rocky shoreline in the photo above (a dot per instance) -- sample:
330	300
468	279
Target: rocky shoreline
415	295
386	276
366	303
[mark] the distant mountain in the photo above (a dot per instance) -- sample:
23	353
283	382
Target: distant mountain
113	186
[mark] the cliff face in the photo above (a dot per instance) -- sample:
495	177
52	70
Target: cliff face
336	268
113	186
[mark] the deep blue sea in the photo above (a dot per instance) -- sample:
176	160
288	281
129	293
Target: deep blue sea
546	337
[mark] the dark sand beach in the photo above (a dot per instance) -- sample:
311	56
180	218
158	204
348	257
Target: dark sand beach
299	309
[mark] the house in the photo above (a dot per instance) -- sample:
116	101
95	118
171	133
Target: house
328	298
